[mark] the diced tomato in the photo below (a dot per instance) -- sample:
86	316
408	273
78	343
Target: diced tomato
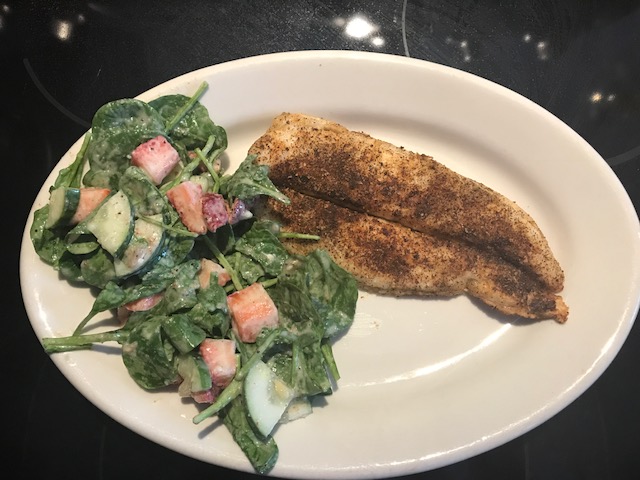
156	157
140	305
214	209
251	310
144	304
220	356
186	198
208	267
90	198
206	396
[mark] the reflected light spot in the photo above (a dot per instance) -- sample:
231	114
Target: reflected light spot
377	41
359	27
490	339
4	10
464	47
542	49
62	29
339	22
598	97
445	363
526	38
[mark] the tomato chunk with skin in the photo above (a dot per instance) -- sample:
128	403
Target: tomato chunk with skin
145	303
214	209
206	396
251	310
186	198
140	305
90	198
220	356
156	157
209	267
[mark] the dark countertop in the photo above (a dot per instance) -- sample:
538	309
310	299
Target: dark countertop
60	61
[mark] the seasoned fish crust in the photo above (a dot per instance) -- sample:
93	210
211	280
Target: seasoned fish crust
323	159
388	258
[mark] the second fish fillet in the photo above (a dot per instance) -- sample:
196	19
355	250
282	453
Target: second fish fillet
388	258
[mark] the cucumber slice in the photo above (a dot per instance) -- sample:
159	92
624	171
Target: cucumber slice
113	224
79	247
143	248
63	203
267	397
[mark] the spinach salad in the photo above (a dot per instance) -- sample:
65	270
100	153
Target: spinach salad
205	299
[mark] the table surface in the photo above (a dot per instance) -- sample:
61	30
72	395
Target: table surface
579	59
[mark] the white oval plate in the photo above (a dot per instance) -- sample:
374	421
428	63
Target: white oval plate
425	382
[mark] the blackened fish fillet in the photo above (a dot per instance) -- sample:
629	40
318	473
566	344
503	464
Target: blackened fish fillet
323	159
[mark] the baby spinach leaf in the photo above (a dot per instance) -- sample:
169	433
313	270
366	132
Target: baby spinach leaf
144	196
312	313
114	295
118	127
249	181
303	368
69	268
164	272
312	373
195	374
181	294
329	359
149	356
111	296
249	269
296	311
176	250
261	452
97	269
211	313
183	333
71	176
334	292
195	126
262	245
48	244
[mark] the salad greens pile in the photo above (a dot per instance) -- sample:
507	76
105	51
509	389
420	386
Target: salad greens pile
315	298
